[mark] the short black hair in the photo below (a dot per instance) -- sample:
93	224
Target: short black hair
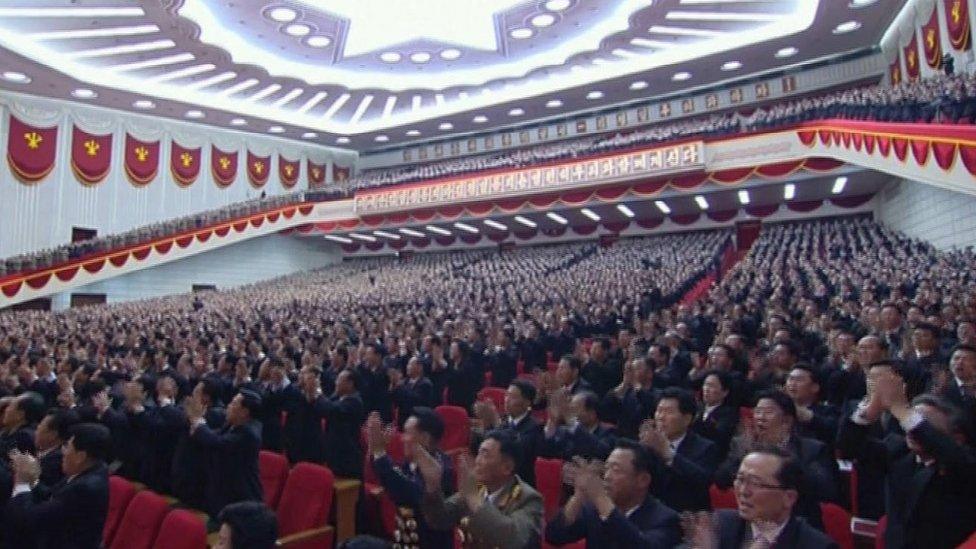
94	439
928	327
32	404
429	421
590	400
722	376
365	542
686	401
790	474
815	374
507	445
525	387
212	388
573	362
602	341
61	421
781	399
643	462
252	525
963	347
661	348
252	401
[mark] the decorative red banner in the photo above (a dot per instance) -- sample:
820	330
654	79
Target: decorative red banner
141	160
223	166
957	22
316	175
931	41
258	169
288	171
31	151
184	164
912	65
894	70
339	174
91	156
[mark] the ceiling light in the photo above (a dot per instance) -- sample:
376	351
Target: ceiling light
702	203
466	227
84	93
839	185
276	129
309	135
521	34
849	26
385	234
342	140
787	52
437	230
194	114
335	238
318	41
413	133
420	57
594	95
480	119
95	33
450	54
789	191
599	61
390	57
516	112
16	77
557	5
144	104
381	138
861	3
543	20
365	237
557	218
283	15
743	197
298	29
238	122
681	76
662	206
731	65
525	221
495	225
625	210
413	233
639	85
554	104
590	213
444	126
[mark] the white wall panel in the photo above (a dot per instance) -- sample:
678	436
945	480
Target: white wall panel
943	217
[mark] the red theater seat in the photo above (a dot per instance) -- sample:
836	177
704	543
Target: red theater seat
496	395
181	529
722	499
141	521
457	428
120	493
274	472
379	508
837	524
549	482
305	507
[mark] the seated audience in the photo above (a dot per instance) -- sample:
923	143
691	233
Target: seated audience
247	525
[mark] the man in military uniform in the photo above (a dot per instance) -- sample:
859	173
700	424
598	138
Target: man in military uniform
493	508
403	483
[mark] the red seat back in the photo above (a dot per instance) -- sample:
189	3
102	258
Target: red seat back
549	482
879	539
745	418
494	394
274	471
141	521
837	524
722	499
306	501
120	493
181	529
457	427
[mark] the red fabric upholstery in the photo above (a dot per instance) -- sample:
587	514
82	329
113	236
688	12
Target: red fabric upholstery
745	418
377	505
879	541
495	395
141	521
722	499
120	493
457	427
274	472
970	543
549	482
306	502
181	529
837	524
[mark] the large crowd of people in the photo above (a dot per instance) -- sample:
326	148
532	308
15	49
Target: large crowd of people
839	337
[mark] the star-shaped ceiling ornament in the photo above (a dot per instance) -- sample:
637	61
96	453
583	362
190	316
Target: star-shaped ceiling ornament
378	25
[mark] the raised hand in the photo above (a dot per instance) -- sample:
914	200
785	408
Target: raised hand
376	439
468	484
25	467
699	530
429	469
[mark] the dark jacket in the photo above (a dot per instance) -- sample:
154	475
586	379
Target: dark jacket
405	486
568	443
719	427
734	532
344	418
190	466
412	394
683	486
232	459
653	524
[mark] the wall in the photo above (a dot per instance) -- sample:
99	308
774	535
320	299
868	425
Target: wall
944	218
39	216
227	267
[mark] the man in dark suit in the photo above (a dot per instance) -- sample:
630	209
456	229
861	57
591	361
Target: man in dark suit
190	466
931	476
718	419
344	413
634	400
814	419
20	417
602	372
568	374
71	514
502	359
247	525
232	451
413	391
573	428
532	351
685	461
52	432
615	511
960	389
766	489
374	383
517	422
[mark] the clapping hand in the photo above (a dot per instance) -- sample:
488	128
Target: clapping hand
653	439
25	467
468	484
485	411
699	530
376	438
194	409
429	468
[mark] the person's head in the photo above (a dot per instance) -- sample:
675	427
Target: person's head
783	355
599	349
940	414
568	370
715	387
720	356
424	427
925	337
966	332
774	416
88	445
766	485
345	383
643	371
660	354
890	317
519	397
373	355
882	368
498	457
244	407
675	412
54	429
26	409
583	405
803	384
871	349
415	369
628	474
339	356
207	390
247	525
309	377
962	362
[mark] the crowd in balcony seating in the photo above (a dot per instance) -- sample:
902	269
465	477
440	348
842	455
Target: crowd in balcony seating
831	338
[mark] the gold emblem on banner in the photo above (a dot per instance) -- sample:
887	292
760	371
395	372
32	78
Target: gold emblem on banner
142	153
259	167
315	173
33	140
289	170
91	147
956	11
224	162
187	160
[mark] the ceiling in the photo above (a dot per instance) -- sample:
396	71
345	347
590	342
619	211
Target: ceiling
362	74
